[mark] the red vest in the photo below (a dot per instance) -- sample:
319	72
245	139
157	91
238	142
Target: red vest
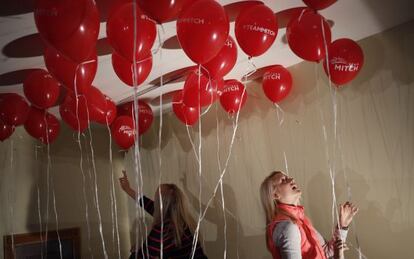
310	246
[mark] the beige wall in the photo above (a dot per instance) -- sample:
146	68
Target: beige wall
371	156
25	192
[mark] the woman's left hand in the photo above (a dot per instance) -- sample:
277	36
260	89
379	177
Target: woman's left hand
346	214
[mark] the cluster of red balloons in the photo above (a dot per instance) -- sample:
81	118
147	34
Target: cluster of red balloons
13	112
78	110
132	57
309	37
42	90
123	128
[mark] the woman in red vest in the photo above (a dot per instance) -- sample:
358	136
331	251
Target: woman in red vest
290	234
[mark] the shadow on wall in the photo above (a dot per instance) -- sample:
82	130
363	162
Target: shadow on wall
235	237
372	226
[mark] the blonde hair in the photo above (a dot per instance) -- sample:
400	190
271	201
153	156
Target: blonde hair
268	202
174	208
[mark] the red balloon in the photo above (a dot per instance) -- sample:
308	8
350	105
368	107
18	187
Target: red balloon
5	130
277	83
124	69
41	89
77	106
101	108
319	4
233	97
111	112
199	90
202	30
346	59
66	25
123	132
70	118
306	38
163	10
256	29
120	32
76	77
13	110
225	60
56	20
42	125
188	115
96	101
145	115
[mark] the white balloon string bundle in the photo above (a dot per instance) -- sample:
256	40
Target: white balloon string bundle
49	165
81	162
199	160
161	41
223	171
336	139
95	181
221	185
114	207
11	197
139	210
39	214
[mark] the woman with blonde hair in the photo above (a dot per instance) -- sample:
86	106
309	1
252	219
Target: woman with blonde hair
172	228
289	233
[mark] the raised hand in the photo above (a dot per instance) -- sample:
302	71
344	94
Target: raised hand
124	182
346	214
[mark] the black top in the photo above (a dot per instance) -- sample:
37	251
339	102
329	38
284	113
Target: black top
170	249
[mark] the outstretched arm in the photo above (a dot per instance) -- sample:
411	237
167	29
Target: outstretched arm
147	203
126	187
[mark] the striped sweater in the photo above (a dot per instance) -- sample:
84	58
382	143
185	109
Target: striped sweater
170	249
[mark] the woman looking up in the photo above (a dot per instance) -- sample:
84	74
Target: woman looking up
172	228
290	234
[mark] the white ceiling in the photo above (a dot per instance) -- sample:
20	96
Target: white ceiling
22	50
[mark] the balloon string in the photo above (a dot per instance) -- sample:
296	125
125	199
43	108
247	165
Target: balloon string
221	185
251	69
333	92
137	162
39	203
12	199
301	14
235	127
81	159
161	40
195	238
114	207
280	114
95	180
84	193
49	165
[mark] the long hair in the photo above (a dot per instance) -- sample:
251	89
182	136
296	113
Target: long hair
174	208
268	202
